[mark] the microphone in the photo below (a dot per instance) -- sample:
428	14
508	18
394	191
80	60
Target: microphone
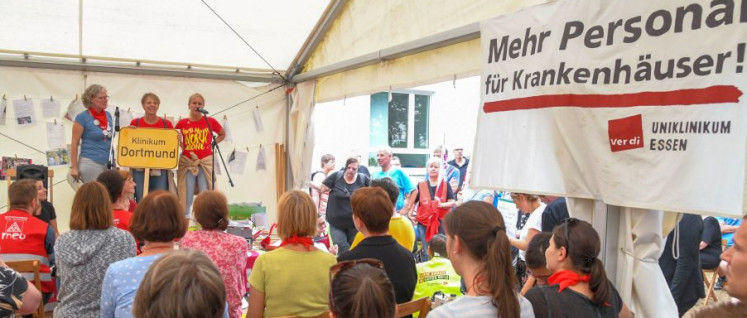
202	110
116	119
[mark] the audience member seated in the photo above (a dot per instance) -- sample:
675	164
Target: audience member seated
18	296
400	228
26	237
360	289
683	273
372	210
579	286
292	280
728	226
536	264
556	212
47	212
227	251
158	221
479	250
119	184
437	274
736	272
183	283
710	244
86	251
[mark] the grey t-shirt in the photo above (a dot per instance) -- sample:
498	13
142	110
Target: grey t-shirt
477	306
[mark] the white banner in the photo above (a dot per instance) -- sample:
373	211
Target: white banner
635	103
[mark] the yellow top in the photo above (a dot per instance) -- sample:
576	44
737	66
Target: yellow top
294	283
400	228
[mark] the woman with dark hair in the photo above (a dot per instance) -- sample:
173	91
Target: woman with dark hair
361	289
578	286
340	185
181	284
92	131
84	252
158	221
227	251
478	248
120	186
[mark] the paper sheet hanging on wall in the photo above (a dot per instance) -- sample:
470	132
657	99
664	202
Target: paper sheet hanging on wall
58	157
216	167
227	130
237	162
258	120
74	108
24	111
261	159
3	111
125	118
55	135
50	108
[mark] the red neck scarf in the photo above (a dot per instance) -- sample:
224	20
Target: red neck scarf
567	278
306	241
101	117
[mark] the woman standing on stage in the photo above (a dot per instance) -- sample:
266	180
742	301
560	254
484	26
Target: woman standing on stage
159	178
196	162
92	131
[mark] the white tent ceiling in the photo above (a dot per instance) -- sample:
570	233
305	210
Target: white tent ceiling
174	33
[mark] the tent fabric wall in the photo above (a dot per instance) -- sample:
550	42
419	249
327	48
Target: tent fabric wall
125	92
301	133
367	26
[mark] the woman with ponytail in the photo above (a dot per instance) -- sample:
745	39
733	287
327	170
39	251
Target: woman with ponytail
227	251
292	280
479	250
578	286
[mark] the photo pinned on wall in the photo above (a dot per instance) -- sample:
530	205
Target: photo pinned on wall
237	162
227	130
74	108
58	157
258	120
3	111
55	135
125	117
11	163
261	160
24	111
50	108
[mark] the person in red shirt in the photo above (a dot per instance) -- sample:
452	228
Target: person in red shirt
159	178
196	161
26	237
120	186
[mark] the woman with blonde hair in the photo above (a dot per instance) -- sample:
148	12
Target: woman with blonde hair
478	248
158	221
92	131
158	178
296	268
529	224
227	251
84	253
182	284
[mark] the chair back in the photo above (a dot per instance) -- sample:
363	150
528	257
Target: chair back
422	305
30	266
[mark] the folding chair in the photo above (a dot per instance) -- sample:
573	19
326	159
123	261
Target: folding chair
422	305
30	266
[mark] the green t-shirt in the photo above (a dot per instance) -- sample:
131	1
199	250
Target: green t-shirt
434	275
294	283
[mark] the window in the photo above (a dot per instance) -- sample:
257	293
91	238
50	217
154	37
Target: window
401	121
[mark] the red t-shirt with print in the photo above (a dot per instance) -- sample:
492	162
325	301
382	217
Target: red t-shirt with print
196	137
140	122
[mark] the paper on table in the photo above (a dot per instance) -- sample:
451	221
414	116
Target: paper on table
258	120
50	108
227	130
24	111
261	159
3	111
237	162
55	135
74	108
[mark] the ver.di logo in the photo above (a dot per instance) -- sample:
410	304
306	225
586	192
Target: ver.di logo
625	133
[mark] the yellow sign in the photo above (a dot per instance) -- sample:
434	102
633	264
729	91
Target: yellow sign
153	148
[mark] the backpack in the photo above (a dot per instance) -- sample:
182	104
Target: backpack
313	174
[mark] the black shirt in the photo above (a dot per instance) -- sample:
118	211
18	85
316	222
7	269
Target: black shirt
462	170
432	190
712	236
555	214
399	263
547	302
47	212
339	212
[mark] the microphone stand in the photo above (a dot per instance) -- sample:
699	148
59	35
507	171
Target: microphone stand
215	146
112	164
